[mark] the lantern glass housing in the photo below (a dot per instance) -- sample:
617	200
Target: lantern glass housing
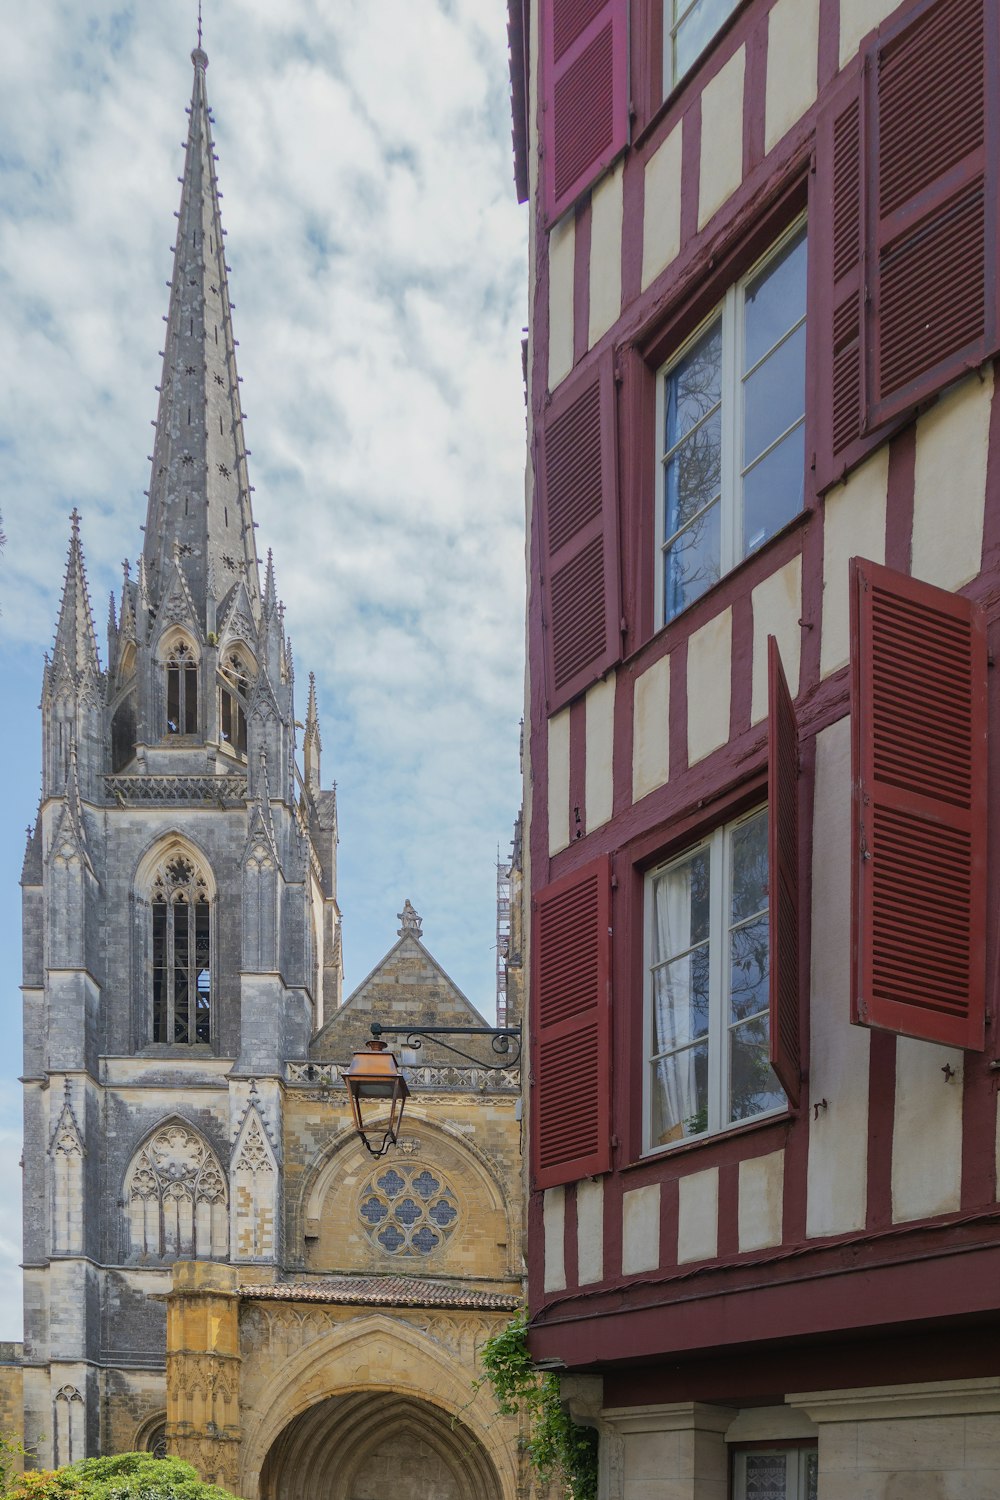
374	1083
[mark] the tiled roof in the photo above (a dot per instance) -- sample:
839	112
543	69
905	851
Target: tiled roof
384	1291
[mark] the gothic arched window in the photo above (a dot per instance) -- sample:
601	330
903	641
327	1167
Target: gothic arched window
181	906
182	690
234	692
176	1199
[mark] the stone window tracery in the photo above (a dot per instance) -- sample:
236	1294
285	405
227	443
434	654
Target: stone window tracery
234	693
182	952
408	1210
182	690
176	1198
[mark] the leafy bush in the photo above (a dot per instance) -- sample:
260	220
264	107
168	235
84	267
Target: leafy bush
123	1476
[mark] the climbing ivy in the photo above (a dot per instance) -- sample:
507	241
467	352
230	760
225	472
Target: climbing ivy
558	1448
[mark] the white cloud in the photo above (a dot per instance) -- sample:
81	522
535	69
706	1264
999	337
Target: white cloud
379	276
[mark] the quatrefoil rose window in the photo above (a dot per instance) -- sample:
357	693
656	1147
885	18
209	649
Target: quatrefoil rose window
408	1210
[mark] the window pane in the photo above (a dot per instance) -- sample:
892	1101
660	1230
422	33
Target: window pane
753	1088
774	396
691	563
680	1001
191	700
681	906
680	1095
159	971
173	700
812	1475
693	475
766	1477
773	490
749	868
749	967
774	301
204	980
693	386
181	947
696	25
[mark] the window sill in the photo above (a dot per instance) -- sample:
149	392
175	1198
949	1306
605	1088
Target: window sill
781	1119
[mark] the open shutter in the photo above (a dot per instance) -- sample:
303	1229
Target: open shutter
585	107
579	534
571	1027
918	723
783	874
932	221
837	276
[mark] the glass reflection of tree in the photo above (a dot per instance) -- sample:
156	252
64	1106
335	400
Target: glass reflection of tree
693	473
752	1086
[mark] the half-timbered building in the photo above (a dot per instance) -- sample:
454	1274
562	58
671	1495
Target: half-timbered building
762	794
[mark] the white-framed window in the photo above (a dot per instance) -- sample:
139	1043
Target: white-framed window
730	424
688	27
707	947
775	1473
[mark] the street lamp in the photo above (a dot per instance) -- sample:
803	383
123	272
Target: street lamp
373	1079
374	1074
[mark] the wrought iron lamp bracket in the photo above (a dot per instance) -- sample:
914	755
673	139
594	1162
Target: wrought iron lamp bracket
504	1040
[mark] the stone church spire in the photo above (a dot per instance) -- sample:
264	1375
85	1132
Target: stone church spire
74	655
199	495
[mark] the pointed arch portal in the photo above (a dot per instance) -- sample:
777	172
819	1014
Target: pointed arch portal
365	1445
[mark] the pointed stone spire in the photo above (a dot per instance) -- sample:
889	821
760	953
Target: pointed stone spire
74	655
270	592
199	493
312	745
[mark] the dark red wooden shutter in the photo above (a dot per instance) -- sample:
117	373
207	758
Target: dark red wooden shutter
585	103
570	1025
579	534
918	721
838	327
783	874
932	241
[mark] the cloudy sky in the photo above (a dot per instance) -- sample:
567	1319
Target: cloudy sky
379	281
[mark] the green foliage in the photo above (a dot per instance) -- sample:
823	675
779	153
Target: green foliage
123	1476
558	1448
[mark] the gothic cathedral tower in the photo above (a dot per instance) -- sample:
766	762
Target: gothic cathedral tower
181	929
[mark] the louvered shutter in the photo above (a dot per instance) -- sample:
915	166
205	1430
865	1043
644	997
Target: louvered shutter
918	719
571	1027
837	277
783	874
585	104
579	534
932	242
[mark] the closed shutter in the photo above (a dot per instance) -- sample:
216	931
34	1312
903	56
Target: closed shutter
918	720
579	534
570	1024
783	874
585	105
932	231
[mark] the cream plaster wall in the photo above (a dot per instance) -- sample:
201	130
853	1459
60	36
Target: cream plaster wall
698	1216
839	1052
559	781
777	610
554	1231
721	137
853	526
949	484
661	222
562	254
599	776
927	1131
761	1198
605	253
641	1229
651	729
857	18
709	677
792	54
590	1230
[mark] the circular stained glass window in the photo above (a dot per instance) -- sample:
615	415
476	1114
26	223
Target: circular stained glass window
407	1210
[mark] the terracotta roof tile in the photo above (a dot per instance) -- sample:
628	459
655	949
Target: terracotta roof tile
384	1291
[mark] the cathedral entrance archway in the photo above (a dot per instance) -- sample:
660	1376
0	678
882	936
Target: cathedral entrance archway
366	1445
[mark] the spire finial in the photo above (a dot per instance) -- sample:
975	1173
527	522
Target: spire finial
199	25
199	57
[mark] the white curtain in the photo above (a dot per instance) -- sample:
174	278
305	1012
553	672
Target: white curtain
672	1004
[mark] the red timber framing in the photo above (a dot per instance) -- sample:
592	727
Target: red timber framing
571	1027
585	110
783	876
919	778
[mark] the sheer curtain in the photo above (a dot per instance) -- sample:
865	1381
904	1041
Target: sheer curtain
672	1005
